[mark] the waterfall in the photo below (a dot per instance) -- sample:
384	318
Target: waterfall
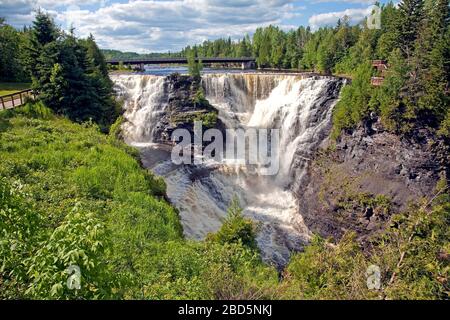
145	99
299	106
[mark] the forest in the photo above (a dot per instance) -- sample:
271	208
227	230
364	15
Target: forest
73	193
413	39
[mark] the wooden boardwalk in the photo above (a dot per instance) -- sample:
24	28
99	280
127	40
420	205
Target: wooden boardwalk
16	99
381	66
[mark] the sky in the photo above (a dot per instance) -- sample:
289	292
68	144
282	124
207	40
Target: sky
169	25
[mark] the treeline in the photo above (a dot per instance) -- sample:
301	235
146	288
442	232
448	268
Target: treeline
69	75
413	38
12	53
119	55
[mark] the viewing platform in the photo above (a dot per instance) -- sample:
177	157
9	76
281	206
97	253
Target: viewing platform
16	99
382	66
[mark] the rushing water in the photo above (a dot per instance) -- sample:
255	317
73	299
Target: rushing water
300	107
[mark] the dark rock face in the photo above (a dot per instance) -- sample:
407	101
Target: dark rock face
184	107
368	176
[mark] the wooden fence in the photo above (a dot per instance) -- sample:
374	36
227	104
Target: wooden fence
15	99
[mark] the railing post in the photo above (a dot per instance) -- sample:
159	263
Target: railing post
3	104
21	101
12	100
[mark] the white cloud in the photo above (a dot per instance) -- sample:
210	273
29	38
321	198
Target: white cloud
366	2
151	25
330	18
160	25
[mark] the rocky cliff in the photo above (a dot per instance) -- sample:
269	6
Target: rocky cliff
186	104
357	183
324	187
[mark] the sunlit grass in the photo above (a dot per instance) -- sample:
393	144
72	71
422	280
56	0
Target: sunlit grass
12	87
60	166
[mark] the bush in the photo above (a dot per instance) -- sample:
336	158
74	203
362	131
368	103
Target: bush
236	228
19	225
324	271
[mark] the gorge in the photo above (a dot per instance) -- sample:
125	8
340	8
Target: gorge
301	107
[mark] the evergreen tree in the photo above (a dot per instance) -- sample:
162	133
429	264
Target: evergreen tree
410	17
44	32
389	37
431	48
70	75
425	88
195	67
99	79
277	47
12	43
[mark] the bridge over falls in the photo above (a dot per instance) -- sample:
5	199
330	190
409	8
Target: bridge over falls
246	62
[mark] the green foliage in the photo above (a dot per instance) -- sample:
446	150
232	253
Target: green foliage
119	55
19	224
208	119
324	271
236	228
70	75
445	126
195	67
115	129
354	103
36	110
410	17
79	240
89	203
12	44
412	255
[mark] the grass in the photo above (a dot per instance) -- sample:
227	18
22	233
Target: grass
12	87
70	195
76	178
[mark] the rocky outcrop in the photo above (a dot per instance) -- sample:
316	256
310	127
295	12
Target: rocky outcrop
356	184
186	104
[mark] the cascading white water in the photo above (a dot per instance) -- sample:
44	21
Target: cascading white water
145	99
299	107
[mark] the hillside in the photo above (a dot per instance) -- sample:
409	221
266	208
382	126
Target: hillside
78	197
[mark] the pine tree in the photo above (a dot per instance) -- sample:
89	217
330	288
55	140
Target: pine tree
44	32
100	82
430	58
410	17
195	67
11	45
426	85
389	38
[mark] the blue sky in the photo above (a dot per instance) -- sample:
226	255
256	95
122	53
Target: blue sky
163	25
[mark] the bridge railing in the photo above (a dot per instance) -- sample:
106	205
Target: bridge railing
15	99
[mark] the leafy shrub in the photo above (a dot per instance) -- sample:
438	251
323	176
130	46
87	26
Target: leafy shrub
208	120
19	224
236	228
324	271
79	241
